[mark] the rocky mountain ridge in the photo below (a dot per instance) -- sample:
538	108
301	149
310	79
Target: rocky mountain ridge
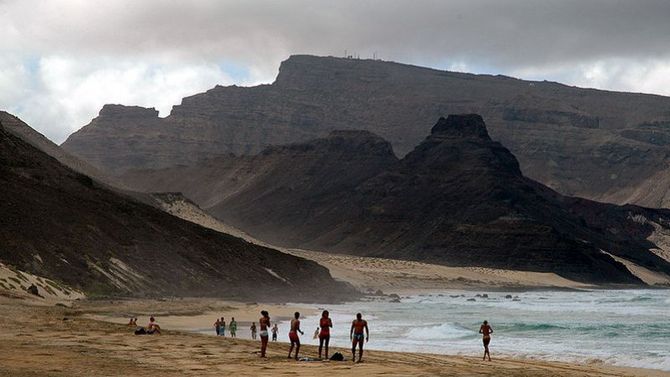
64	226
600	145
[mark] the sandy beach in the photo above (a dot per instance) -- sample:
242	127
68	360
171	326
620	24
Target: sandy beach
39	340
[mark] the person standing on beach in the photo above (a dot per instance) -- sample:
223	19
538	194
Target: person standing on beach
264	324
217	326
223	327
275	330
253	330
325	324
293	335
233	328
356	336
486	332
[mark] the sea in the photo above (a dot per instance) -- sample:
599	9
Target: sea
617	327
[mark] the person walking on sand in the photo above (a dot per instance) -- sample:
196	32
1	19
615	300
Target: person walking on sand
233	328
324	336
217	326
275	330
264	324
223	327
486	332
253	330
293	335
356	336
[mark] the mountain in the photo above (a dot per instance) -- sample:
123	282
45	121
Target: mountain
63	225
459	198
600	145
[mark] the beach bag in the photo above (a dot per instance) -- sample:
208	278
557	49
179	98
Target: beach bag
337	357
141	331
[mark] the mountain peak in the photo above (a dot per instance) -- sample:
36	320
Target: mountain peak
132	112
461	125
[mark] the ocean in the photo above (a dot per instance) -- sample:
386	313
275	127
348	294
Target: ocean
618	327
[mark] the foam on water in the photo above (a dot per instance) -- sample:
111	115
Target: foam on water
623	327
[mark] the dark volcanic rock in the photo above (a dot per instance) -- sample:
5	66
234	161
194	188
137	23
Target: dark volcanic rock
62	225
458	198
582	142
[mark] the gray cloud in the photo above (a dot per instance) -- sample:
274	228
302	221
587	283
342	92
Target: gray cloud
619	45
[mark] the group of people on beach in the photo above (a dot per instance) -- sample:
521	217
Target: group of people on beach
220	327
358	334
151	329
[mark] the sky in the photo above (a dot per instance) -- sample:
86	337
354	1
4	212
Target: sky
62	60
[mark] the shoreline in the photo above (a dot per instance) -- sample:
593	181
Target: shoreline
71	343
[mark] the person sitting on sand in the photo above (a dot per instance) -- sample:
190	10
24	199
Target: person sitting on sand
253	330
325	324
275	330
223	327
132	322
264	324
486	332
153	327
293	335
217	326
356	336
233	328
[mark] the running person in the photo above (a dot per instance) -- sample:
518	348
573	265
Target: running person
356	336
293	335
264	324
324	336
486	332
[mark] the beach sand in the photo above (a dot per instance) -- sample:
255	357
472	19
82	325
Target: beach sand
39	340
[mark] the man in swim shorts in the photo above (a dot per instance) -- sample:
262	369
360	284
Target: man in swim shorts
275	330
264	324
293	335
324	336
486	332
356	336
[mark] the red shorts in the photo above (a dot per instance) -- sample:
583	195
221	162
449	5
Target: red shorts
324	334
293	336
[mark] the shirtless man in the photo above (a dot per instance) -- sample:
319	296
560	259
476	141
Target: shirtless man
293	335
264	324
356	336
486	332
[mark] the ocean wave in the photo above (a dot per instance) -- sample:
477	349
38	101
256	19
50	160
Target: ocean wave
439	332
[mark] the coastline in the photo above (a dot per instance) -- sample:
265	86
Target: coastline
69	341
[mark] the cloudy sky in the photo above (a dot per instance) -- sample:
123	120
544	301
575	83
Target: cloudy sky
60	61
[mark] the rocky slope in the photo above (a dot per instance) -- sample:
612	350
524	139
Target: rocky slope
600	145
62	225
458	198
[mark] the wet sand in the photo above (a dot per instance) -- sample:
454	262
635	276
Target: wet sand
38	340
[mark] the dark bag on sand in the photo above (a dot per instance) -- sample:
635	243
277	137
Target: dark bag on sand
141	331
337	357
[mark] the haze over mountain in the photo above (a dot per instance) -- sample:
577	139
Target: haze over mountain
601	145
63	225
458	198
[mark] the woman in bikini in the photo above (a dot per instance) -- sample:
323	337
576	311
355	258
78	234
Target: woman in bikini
264	324
324	336
486	332
293	335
